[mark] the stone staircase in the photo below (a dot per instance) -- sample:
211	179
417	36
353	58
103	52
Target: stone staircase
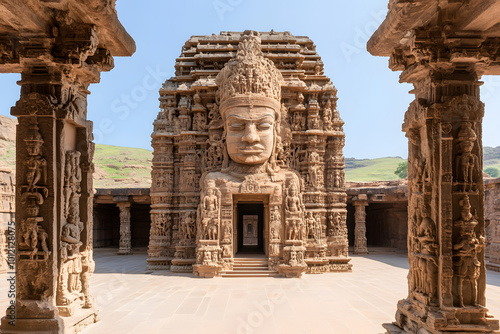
250	267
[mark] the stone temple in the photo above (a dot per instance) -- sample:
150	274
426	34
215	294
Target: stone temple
248	159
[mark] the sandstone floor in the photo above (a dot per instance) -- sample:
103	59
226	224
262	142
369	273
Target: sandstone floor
133	301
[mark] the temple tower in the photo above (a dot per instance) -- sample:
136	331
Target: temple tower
248	157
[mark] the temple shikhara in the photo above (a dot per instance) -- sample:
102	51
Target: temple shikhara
248	158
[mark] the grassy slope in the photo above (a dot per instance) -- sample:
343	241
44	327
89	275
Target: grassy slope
8	154
121	167
491	157
381	169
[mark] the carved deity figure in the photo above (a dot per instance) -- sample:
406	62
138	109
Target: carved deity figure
210	213
210	201
35	165
33	236
293	201
467	163
275	224
186	227
70	285
298	121
427	267
327	116
311	226
250	105
465	251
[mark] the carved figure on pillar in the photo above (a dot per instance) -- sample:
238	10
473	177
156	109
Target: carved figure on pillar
70	284
467	162
427	269
465	251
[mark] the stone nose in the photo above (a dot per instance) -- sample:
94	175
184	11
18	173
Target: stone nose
251	135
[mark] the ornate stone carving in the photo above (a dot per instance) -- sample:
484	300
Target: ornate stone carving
465	251
259	146
467	163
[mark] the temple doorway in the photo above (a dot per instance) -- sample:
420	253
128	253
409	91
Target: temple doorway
250	227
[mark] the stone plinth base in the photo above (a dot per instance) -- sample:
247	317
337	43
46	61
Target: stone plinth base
291	271
182	265
317	266
207	271
66	325
340	264
124	251
81	319
159	264
393	329
413	316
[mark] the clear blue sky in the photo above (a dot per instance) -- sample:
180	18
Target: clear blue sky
371	101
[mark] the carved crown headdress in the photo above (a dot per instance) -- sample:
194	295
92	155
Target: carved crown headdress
249	78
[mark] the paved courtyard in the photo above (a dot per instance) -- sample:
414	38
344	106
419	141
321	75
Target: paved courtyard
132	301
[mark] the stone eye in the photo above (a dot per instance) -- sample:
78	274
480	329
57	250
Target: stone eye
264	126
237	126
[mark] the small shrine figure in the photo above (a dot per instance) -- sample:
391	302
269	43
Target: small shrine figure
293	201
467	163
70	284
187	227
465	252
35	165
327	116
427	263
311	226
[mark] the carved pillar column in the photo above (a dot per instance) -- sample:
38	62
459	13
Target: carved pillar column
125	235
445	209
54	151
360	204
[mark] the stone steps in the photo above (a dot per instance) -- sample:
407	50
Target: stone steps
250	267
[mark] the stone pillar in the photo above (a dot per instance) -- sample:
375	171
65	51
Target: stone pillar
125	235
360	204
446	232
54	195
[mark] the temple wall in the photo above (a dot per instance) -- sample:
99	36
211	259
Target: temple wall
492	222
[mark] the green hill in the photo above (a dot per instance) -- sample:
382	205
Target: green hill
381	169
122	167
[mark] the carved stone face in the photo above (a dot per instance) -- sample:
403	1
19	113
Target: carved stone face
250	134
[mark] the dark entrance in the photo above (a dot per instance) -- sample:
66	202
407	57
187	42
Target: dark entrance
250	228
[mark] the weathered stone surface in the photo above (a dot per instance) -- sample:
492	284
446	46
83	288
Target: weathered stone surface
443	49
7	128
249	117
59	48
492	222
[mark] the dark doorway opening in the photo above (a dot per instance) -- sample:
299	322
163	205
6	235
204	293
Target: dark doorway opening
250	228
